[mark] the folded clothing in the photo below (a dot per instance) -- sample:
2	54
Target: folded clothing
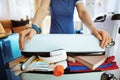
107	65
108	60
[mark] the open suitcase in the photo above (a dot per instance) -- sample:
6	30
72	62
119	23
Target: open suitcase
75	44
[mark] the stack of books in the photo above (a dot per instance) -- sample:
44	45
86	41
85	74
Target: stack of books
36	63
73	64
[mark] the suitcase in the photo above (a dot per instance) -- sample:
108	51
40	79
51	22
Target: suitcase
75	44
9	50
111	23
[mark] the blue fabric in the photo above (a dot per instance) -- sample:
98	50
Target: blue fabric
62	16
2	67
14	42
75	68
9	50
7	57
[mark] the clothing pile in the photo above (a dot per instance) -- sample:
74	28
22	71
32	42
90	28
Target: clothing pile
108	64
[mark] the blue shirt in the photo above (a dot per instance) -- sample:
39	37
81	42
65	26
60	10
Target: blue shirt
62	12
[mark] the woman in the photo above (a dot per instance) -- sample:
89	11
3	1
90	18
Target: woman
62	20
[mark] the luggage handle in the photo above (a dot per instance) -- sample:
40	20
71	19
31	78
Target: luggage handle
100	18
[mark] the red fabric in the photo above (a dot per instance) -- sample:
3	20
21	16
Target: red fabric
108	60
100	69
75	64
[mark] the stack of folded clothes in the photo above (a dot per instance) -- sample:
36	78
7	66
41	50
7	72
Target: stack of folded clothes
109	64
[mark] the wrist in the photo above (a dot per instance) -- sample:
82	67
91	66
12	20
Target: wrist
36	28
93	28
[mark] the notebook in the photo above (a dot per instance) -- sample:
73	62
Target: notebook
91	62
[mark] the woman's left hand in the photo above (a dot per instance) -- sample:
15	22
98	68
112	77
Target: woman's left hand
103	36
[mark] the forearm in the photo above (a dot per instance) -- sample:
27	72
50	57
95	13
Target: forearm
39	16
103	36
41	12
85	18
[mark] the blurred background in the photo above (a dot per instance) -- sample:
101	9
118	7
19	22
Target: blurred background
22	9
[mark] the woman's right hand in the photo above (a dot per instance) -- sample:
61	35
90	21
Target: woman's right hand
29	32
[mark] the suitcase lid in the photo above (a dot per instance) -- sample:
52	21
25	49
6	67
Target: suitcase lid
72	43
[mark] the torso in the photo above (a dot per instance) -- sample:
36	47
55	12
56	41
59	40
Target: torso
62	16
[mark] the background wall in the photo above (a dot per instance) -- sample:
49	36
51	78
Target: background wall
16	9
98	7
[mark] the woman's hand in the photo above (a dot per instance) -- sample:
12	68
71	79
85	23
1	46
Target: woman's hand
29	32
103	36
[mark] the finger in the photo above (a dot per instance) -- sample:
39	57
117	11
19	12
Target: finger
32	32
103	37
104	42
22	37
109	41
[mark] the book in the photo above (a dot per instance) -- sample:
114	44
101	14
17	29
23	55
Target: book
21	63
91	62
38	64
16	61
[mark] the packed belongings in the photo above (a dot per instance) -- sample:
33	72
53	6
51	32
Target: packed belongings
60	55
